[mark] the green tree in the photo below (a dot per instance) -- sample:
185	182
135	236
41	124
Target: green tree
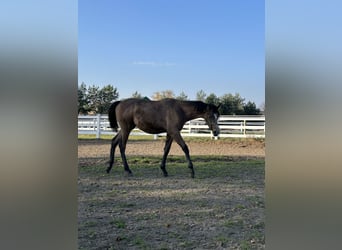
182	96
99	100
238	103
82	99
136	94
106	96
92	97
232	104
212	99
251	109
200	95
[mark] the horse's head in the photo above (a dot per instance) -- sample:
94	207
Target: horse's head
211	117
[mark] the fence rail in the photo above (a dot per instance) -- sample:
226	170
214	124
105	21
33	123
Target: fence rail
230	126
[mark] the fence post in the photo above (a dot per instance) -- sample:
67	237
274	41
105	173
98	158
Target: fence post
98	130
244	127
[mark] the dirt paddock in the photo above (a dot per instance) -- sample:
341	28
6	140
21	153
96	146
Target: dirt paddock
221	208
234	147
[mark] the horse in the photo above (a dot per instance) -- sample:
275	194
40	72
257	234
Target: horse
167	115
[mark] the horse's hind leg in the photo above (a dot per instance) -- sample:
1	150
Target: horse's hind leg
178	138
166	152
122	145
115	142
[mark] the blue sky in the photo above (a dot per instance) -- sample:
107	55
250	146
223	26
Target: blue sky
154	45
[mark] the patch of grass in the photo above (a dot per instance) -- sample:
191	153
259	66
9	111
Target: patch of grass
256	236
222	240
233	223
218	209
186	138
186	244
205	167
93	169
126	205
239	207
90	224
256	201
138	241
118	223
245	245
259	225
86	137
147	216
142	160
91	234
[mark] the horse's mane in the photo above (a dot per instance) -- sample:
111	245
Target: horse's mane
198	105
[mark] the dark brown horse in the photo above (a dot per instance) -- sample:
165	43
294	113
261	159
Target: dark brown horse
154	117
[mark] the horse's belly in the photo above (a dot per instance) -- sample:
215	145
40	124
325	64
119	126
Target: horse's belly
149	125
151	130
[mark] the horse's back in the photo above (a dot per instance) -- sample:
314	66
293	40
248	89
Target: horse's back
128	107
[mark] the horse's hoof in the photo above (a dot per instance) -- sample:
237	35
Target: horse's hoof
108	170
166	174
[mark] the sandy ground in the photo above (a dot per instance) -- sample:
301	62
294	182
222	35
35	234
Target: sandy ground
235	147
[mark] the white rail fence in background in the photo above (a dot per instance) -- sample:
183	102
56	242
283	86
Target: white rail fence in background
230	126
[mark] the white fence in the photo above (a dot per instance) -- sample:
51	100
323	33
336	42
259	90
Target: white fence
230	126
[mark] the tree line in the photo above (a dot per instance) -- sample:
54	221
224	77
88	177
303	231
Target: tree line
96	100
93	100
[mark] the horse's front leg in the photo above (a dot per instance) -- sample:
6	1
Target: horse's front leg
166	152
178	138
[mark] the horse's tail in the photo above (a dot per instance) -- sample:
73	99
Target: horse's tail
112	116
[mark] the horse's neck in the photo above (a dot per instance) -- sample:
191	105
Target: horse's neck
194	115
191	112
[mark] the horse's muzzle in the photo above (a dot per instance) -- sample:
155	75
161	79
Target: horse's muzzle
216	131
